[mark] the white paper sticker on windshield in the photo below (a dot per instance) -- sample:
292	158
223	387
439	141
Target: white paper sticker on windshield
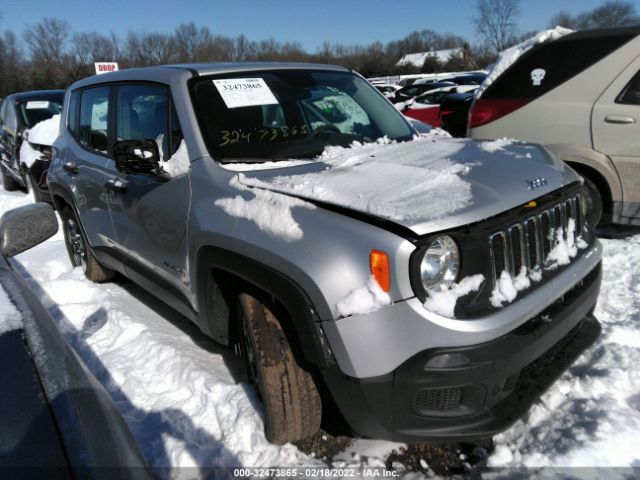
245	92
37	104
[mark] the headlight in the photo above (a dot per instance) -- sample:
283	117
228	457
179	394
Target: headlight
440	263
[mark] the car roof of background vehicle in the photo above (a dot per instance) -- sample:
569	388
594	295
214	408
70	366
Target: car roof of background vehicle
168	73
35	94
505	81
449	88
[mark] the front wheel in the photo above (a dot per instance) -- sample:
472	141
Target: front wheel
293	409
78	251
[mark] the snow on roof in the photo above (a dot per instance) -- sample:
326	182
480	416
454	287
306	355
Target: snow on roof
417	59
509	56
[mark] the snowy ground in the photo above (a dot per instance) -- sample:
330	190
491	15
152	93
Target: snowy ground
187	403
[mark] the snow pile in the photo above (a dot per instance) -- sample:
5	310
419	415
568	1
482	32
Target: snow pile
28	154
43	133
591	415
244	167
10	318
509	56
507	287
185	399
443	302
365	299
179	162
495	145
270	211
413	180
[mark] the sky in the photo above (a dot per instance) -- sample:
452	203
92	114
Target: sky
309	22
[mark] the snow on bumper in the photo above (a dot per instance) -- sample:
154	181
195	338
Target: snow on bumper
375	344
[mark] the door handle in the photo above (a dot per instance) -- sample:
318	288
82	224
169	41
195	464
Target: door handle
70	167
619	119
117	186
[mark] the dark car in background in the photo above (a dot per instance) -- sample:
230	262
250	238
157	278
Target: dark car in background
412	91
19	113
454	112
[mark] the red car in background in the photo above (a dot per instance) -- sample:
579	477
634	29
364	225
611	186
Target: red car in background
426	107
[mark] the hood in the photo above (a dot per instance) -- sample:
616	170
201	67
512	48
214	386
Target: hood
425	185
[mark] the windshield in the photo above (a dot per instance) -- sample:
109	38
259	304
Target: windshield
279	114
36	110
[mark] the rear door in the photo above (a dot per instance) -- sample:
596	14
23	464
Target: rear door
85	163
616	133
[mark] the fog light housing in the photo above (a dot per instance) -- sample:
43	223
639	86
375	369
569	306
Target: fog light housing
447	360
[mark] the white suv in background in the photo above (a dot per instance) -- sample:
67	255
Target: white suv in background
579	96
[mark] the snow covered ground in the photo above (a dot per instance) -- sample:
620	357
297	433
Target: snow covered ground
187	402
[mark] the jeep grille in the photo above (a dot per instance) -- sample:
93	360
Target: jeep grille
528	243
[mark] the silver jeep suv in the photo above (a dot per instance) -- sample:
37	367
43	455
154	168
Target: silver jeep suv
430	288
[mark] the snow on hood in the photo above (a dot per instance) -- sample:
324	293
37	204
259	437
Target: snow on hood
45	132
428	184
509	56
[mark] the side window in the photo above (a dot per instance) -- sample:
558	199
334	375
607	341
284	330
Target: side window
631	93
94	113
11	121
72	117
143	114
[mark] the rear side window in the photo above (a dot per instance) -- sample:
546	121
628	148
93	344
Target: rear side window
549	65
72	118
630	95
94	113
10	120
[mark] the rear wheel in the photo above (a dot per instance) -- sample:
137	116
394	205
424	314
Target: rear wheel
8	183
594	203
79	254
293	409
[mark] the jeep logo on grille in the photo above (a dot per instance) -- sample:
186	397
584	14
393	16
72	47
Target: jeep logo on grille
537	183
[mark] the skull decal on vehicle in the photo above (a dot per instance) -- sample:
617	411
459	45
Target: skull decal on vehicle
537	76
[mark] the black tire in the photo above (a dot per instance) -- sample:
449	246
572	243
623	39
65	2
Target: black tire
79	254
293	409
8	183
594	203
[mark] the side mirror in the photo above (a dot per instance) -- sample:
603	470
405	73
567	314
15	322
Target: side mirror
25	227
137	156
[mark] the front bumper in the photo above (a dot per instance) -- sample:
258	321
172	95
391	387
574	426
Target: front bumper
501	380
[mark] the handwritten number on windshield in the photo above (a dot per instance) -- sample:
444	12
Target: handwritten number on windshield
230	137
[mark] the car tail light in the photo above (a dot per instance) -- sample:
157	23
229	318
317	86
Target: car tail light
379	263
485	111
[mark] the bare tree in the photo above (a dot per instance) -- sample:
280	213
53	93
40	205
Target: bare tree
609	15
47	40
563	19
496	22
